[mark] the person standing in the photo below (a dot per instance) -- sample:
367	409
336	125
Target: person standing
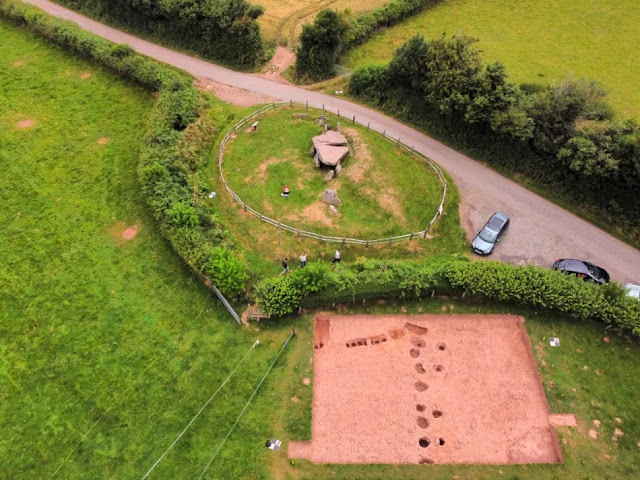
336	257
285	266
303	260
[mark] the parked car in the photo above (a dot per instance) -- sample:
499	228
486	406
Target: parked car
581	269
633	291
490	234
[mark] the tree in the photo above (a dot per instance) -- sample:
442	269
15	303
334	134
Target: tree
320	44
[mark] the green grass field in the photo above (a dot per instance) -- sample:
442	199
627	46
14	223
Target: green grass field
378	186
538	41
109	346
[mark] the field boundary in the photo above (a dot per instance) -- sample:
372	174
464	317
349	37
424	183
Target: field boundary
317	236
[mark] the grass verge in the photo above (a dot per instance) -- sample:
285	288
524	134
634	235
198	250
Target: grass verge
549	41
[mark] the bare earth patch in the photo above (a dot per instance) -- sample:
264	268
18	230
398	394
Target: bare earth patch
282	59
25	123
360	160
130	232
464	403
389	202
103	140
121	232
317	212
18	63
85	76
233	95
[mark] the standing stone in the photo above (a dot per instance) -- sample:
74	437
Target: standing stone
330	197
329	175
338	169
333	210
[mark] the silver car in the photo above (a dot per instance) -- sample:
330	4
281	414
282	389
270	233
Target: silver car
490	234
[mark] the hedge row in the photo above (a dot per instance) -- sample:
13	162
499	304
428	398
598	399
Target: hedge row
172	160
564	137
365	25
332	33
222	30
317	286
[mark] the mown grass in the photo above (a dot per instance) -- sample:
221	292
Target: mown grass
538	41
257	165
108	347
592	374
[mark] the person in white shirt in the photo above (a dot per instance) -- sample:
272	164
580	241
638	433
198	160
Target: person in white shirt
336	258
303	260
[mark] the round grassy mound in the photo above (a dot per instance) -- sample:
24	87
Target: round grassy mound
384	190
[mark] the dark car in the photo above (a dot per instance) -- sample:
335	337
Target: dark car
490	234
585	270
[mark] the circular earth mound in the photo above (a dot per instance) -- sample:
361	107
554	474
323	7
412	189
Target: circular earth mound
384	191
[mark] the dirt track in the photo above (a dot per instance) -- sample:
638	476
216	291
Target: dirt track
540	231
427	389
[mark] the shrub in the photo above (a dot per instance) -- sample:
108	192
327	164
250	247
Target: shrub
223	30
320	45
227	272
174	148
496	281
365	25
562	137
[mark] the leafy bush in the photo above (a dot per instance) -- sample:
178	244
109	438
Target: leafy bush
173	155
365	25
320	45
530	285
223	30
563	136
227	272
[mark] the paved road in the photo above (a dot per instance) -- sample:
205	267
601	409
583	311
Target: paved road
540	231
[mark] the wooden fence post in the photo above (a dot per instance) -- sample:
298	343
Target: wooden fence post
354	119
307	105
323	107
338	113
384	133
291	102
368	125
398	141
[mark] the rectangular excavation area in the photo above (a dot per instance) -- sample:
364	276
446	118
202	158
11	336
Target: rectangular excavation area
427	389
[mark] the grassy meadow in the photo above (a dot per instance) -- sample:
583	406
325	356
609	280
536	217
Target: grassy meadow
108	346
384	192
538	41
283	19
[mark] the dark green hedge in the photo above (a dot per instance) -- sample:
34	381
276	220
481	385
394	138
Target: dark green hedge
364	26
563	137
172	160
222	30
318	286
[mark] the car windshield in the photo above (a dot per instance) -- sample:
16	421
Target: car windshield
595	271
488	236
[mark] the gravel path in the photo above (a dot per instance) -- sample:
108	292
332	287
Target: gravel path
540	231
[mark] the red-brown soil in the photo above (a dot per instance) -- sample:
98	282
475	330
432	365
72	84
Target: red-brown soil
471	395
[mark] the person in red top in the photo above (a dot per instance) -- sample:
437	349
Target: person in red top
285	191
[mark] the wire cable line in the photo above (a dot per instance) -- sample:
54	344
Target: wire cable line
200	411
245	406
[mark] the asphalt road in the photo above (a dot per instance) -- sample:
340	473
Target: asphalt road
540	231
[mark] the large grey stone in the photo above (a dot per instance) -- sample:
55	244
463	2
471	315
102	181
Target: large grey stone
329	175
333	210
338	169
330	197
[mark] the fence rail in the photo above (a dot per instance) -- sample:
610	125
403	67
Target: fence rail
328	238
